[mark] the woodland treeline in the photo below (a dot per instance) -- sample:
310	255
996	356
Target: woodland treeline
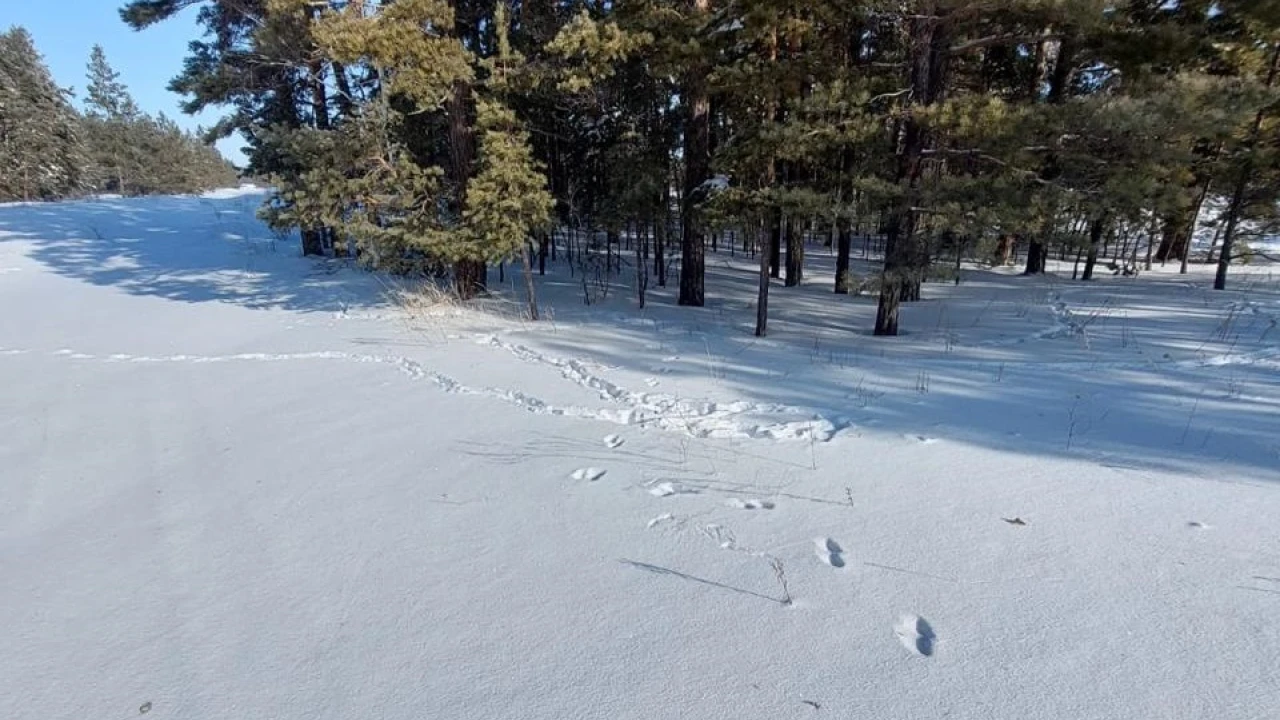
446	135
50	149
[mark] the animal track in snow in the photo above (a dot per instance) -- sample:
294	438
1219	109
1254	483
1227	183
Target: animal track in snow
698	418
750	504
829	552
703	419
667	489
664	517
613	441
915	634
589	474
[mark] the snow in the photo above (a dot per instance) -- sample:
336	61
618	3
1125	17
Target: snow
239	483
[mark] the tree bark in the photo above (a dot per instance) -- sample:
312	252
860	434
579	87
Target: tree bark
762	287
469	274
1037	257
775	244
312	242
1095	238
844	243
904	258
527	268
697	145
346	104
795	253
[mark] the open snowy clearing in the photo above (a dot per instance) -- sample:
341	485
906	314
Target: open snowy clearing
240	484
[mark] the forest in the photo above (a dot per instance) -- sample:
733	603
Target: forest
443	136
52	150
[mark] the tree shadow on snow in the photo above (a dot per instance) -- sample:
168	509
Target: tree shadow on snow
188	249
1155	373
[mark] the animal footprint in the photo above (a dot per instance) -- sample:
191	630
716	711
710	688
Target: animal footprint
750	504
613	441
589	474
664	517
915	634
667	489
829	552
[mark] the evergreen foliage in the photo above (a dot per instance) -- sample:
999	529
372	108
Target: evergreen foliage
50	151
41	149
438	133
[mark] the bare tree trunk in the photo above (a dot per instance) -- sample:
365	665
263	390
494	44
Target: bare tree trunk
642	268
660	243
346	104
468	273
795	253
1095	236
527	268
904	254
775	244
697	167
762	288
844	242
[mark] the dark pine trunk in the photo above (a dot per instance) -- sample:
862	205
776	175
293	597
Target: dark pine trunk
844	243
527	268
1095	239
762	288
775	245
795	253
697	147
905	257
312	242
1037	255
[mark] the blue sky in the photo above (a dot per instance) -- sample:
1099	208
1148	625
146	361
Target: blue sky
65	31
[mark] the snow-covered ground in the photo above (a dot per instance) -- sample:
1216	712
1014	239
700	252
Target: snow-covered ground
240	484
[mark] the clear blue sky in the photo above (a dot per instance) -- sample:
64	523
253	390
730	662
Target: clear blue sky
65	31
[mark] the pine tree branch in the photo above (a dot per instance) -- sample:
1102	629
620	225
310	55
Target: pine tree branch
889	95
1012	38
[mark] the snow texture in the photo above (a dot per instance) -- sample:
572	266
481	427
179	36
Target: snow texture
240	484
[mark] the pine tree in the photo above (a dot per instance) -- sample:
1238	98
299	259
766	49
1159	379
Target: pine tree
40	145
112	129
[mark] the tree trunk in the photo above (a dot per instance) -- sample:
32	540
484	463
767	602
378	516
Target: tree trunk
959	257
527	268
1095	237
312	242
762	288
905	259
346	104
844	242
469	278
795	253
1036	258
775	244
468	273
642	267
542	253
697	145
660	243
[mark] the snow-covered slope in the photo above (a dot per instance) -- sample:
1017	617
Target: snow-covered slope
240	484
